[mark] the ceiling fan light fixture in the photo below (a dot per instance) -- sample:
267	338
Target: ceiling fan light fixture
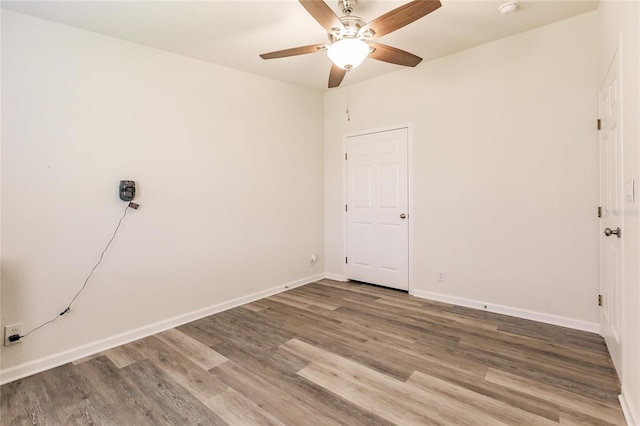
348	53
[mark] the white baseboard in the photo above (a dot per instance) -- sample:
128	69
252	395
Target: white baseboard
513	312
335	277
631	413
56	360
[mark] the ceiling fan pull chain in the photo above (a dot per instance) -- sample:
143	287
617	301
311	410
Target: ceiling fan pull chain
348	99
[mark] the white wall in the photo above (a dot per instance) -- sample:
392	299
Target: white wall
229	172
505	171
620	26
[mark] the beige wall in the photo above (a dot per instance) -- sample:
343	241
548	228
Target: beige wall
213	151
505	171
620	28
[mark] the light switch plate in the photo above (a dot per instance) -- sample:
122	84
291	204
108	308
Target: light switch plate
630	190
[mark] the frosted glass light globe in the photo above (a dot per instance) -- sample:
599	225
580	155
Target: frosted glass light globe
348	53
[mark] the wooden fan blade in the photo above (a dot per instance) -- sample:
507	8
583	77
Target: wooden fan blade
323	14
336	75
399	17
393	55
302	50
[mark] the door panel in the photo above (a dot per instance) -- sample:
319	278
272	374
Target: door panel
377	196
362	240
389	258
389	183
363	181
612	203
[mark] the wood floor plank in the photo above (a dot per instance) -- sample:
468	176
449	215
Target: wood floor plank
201	331
237	410
462	378
582	384
340	291
387	397
342	341
28	402
448	317
367	331
114	400
307	300
600	375
167	398
574	418
254	307
544	346
81	413
570	338
290	301
280	404
498	409
122	356
604	411
85	359
315	326
272	375
180	367
243	325
191	348
66	384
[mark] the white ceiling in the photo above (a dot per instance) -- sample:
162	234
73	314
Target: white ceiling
234	32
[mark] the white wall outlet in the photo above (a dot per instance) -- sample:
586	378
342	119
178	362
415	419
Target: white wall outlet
10	330
313	259
442	276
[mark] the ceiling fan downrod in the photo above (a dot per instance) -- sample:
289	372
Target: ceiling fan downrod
347	6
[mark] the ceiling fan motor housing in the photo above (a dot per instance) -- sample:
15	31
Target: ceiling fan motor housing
352	25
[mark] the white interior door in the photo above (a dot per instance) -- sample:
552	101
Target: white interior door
612	207
377	209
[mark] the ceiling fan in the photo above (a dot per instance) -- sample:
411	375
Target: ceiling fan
350	37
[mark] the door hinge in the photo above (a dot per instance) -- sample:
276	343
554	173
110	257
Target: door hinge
599	124
345	155
599	211
599	300
346	208
346	260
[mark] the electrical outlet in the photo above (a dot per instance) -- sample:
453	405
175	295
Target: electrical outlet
313	259
10	330
442	276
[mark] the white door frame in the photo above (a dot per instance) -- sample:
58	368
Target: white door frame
409	128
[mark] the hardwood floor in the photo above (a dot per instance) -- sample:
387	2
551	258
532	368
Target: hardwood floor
333	353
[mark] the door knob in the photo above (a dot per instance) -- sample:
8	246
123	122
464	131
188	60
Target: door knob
403	216
608	232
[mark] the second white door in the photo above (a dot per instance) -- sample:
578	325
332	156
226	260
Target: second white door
377	209
612	205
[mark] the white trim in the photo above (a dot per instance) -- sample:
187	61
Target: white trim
335	277
410	201
409	127
631	413
52	361
513	312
